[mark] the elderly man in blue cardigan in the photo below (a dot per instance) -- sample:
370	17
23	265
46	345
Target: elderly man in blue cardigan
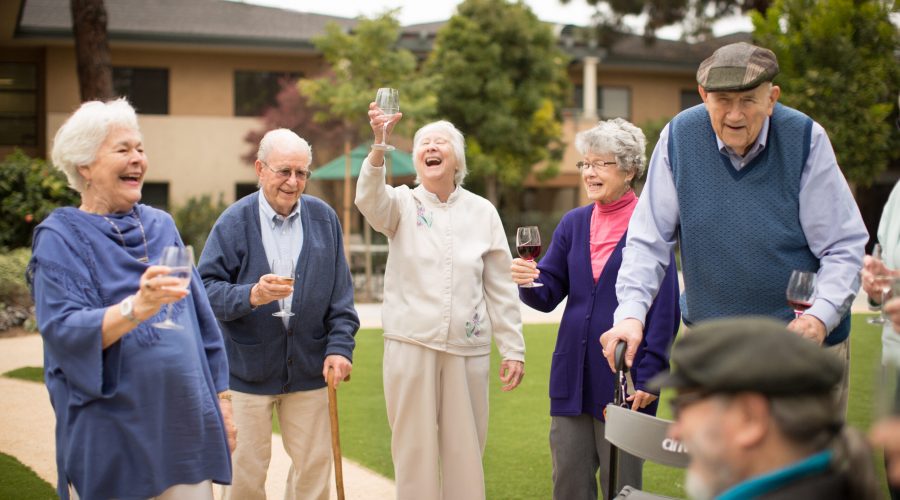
281	360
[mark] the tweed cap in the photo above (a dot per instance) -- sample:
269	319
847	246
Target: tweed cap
736	67
749	354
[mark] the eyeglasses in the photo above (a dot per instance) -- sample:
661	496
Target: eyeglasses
286	173
597	165
685	399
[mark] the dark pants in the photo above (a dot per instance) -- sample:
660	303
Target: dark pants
579	450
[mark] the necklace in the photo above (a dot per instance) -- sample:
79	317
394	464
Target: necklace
146	257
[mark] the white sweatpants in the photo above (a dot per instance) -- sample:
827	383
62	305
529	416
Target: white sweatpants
437	406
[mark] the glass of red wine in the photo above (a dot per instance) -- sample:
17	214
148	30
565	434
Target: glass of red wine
800	291
528	246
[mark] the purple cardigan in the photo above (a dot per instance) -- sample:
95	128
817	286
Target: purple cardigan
580	378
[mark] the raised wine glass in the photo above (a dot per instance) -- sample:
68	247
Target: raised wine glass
884	284
389	101
284	269
181	261
800	291
528	246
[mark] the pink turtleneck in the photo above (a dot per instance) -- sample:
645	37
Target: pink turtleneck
608	224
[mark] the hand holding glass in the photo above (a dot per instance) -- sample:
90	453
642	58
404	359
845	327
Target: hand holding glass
800	291
389	101
528	246
181	261
284	269
884	283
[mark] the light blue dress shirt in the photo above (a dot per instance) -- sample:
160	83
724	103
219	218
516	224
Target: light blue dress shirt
829	216
282	237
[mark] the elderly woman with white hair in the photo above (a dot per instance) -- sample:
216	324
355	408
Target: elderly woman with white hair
446	294
137	412
581	264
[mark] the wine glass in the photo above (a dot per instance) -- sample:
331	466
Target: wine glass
884	283
800	291
181	261
528	246
389	101
284	269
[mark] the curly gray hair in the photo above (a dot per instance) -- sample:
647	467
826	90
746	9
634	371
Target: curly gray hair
457	143
80	137
619	137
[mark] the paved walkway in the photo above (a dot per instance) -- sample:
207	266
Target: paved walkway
27	421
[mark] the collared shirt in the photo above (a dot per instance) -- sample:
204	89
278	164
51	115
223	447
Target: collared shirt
771	481
282	237
831	223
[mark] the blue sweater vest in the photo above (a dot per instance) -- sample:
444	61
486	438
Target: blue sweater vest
740	231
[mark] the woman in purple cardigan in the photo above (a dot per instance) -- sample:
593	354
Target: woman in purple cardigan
582	263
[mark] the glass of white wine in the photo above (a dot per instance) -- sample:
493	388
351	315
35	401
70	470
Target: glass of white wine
181	261
389	101
284	269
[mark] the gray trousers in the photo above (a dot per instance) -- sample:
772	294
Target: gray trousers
579	450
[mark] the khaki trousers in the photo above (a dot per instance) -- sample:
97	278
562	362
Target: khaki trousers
306	432
842	390
437	406
200	491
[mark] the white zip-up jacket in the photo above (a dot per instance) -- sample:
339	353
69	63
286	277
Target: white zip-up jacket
447	285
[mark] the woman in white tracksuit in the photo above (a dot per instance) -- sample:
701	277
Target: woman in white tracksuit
447	292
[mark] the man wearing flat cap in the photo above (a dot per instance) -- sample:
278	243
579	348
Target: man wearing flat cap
752	190
755	412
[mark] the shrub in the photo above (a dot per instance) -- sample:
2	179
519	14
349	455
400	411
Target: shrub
15	300
195	220
30	188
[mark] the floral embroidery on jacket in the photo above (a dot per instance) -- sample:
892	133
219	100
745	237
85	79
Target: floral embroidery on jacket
422	218
473	327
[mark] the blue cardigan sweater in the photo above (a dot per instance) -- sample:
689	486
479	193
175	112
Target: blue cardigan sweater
265	357
580	378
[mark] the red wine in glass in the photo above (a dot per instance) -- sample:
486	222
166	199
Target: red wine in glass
800	291
529	252
528	245
800	306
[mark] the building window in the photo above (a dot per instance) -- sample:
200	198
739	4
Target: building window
690	98
156	194
18	104
254	91
614	102
242	189
147	89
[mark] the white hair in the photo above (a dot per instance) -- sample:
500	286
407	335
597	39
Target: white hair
79	139
457	142
619	137
281	138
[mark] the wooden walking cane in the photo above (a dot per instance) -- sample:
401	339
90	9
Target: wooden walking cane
335	434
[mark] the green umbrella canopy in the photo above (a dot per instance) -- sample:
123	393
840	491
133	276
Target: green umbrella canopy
401	165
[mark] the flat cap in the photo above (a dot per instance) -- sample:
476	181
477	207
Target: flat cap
736	67
755	354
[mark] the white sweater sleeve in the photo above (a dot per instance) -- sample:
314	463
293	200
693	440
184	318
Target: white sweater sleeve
501	296
377	201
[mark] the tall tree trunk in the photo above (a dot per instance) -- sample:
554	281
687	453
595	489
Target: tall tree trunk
92	49
490	189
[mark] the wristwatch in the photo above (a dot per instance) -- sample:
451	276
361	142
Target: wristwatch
126	309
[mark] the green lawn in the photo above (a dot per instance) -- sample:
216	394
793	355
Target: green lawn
517	459
30	373
20	482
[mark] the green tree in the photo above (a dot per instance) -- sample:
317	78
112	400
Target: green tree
361	61
696	17
30	189
500	78
838	61
196	218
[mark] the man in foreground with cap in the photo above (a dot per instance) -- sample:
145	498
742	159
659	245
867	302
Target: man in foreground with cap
752	190
755	411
